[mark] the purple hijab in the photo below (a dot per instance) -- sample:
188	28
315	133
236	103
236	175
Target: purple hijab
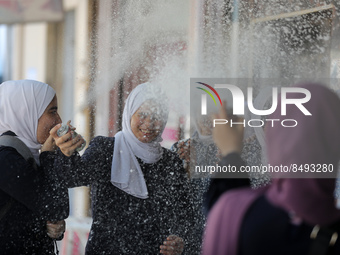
316	139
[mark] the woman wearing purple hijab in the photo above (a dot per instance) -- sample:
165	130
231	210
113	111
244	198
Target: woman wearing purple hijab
292	215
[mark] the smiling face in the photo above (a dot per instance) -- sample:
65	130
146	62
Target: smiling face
146	122
48	120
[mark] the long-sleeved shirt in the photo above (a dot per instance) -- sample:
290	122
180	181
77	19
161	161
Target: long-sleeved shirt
36	197
122	223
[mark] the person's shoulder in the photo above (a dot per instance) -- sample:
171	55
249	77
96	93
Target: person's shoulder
241	197
8	150
102	140
100	145
8	153
170	154
171	159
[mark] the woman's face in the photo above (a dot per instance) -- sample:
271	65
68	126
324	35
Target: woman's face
48	120
146	123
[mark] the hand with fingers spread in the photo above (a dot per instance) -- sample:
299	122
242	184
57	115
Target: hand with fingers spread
228	138
173	245
66	143
55	229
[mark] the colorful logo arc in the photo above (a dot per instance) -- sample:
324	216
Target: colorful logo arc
208	92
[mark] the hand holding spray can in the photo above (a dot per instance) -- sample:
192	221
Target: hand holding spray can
64	129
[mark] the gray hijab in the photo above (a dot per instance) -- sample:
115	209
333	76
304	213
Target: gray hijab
126	173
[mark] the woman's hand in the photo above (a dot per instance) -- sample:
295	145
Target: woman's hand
228	139
49	145
173	245
184	150
55	229
66	143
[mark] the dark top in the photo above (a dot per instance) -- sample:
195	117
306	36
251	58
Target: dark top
124	224
252	155
222	182
205	155
37	197
267	229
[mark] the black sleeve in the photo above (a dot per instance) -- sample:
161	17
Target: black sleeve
31	187
83	170
219	184
185	215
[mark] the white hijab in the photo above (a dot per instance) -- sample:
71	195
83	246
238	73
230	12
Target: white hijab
126	173
22	103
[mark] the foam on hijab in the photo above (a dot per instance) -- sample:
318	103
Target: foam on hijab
126	173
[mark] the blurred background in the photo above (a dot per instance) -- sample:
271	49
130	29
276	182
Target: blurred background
94	52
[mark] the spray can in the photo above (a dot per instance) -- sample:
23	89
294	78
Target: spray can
64	129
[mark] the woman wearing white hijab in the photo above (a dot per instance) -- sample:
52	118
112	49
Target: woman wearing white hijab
30	199
140	191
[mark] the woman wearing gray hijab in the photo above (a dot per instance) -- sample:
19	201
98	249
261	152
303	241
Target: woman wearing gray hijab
140	191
